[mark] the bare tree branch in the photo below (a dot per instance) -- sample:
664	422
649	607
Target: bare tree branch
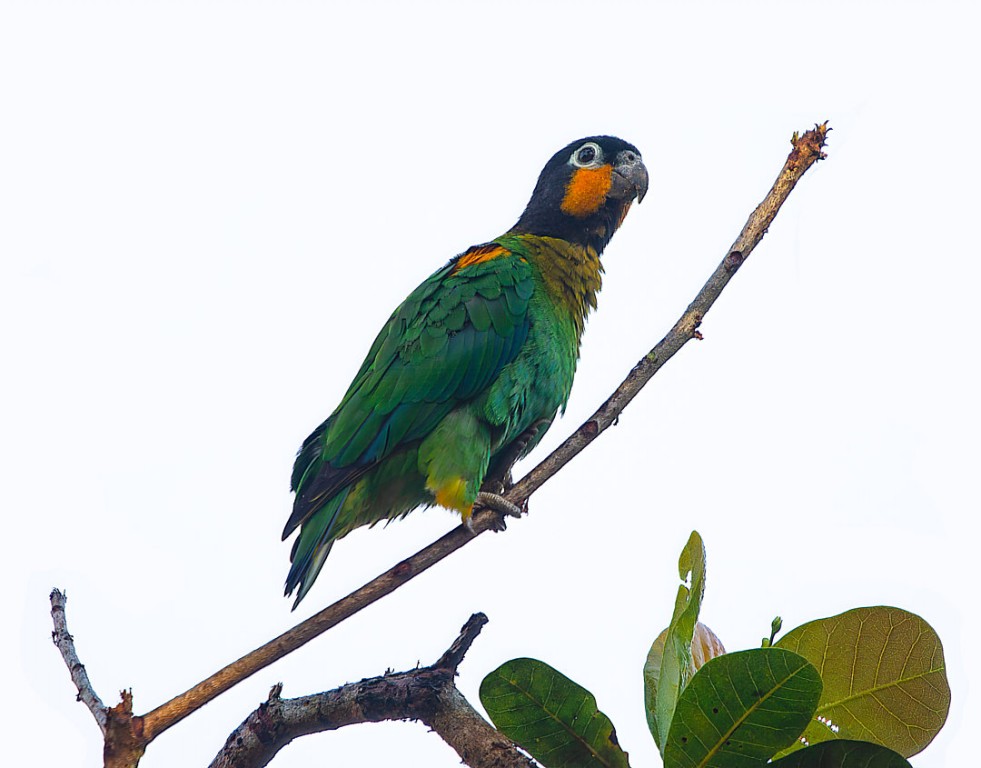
66	644
807	150
427	694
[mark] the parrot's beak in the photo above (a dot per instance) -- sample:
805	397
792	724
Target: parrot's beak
630	178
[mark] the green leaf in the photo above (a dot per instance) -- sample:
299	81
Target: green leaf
843	754
550	716
884	677
668	668
741	708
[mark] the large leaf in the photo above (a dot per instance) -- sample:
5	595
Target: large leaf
843	754
884	677
668	668
553	718
741	708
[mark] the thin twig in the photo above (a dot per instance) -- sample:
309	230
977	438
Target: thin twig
427	694
66	644
451	660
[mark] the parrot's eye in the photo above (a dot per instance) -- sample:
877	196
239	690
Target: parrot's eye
589	155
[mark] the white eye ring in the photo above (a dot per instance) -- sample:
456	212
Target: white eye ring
589	155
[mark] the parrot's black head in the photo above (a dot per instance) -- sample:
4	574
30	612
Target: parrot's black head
585	191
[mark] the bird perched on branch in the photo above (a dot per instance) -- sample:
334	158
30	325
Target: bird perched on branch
473	366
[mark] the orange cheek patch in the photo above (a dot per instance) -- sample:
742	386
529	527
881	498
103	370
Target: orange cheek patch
479	254
586	191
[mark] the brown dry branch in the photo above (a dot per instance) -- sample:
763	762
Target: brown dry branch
807	149
428	694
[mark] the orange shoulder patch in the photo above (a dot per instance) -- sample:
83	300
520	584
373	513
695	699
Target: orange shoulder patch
479	254
586	191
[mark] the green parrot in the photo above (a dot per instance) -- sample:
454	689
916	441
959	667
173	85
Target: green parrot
471	369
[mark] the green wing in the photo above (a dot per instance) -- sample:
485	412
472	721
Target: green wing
444	345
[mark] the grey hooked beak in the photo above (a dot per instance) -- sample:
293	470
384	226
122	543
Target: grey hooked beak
630	177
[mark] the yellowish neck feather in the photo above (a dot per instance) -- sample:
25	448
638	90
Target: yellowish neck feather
572	274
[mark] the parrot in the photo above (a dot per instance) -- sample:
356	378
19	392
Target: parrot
472	368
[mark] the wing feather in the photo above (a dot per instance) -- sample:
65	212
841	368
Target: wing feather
443	346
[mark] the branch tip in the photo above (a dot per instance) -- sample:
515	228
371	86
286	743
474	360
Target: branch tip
455	653
809	147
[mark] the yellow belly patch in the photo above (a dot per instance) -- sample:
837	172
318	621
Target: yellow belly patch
452	494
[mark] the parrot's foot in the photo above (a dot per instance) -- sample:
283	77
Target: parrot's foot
499	504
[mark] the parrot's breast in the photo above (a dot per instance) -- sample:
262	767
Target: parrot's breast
536	385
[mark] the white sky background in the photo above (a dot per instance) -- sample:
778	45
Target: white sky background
207	210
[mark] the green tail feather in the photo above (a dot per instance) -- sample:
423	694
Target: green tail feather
312	547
